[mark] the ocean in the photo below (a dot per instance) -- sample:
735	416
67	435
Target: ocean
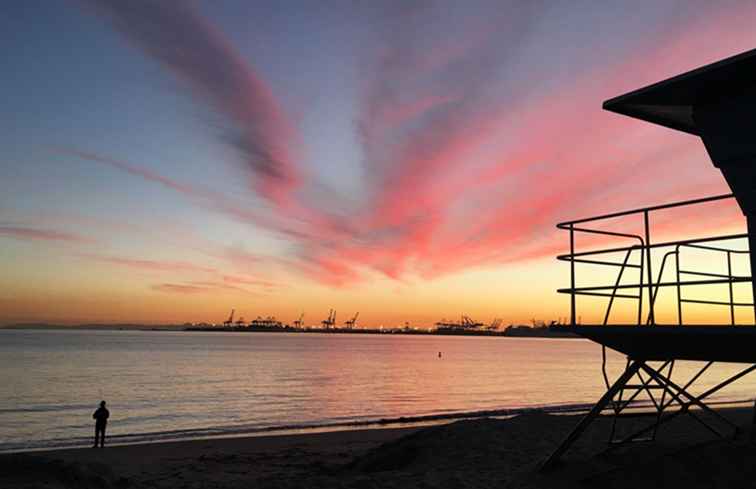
168	385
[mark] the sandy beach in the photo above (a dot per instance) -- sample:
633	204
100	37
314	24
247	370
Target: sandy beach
469	453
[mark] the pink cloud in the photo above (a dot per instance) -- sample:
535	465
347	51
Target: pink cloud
460	178
431	176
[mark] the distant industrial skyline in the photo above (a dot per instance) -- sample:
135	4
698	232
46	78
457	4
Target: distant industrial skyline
166	162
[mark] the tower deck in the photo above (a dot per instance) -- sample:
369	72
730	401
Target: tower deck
704	343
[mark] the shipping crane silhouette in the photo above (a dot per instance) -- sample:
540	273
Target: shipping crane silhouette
494	324
331	321
351	322
298	323
230	320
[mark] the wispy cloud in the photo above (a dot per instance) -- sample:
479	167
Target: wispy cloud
197	278
182	288
33	233
297	222
151	265
134	170
197	194
233	280
176	36
199	287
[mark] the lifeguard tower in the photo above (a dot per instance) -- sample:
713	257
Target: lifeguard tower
717	103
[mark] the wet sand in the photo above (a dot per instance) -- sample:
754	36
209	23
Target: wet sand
472	453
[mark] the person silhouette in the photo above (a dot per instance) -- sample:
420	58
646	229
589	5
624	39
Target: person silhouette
101	422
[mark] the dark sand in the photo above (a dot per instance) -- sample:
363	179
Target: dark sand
474	453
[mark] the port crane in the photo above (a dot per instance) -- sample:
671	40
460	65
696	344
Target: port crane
494	324
465	323
298	323
267	322
230	320
351	322
240	322
469	323
331	321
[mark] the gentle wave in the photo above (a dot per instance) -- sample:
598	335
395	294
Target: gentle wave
45	408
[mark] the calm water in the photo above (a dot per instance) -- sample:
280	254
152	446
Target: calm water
161	385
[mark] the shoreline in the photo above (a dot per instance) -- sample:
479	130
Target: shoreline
398	423
513	331
482	452
211	433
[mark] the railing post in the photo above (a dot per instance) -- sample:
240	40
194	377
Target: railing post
640	285
648	267
679	288
572	275
729	277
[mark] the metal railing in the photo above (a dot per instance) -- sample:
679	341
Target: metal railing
646	286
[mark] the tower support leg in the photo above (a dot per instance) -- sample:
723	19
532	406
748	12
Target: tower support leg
631	370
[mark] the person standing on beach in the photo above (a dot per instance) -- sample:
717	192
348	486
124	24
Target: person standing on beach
101	422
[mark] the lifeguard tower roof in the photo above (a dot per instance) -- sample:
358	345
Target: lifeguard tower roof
717	103
671	102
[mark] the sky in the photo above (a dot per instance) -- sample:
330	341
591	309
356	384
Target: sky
169	161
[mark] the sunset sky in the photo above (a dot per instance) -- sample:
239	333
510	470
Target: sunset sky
167	161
